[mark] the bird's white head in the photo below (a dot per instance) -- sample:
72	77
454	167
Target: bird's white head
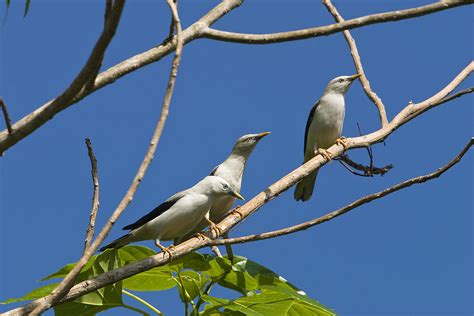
217	186
246	143
340	84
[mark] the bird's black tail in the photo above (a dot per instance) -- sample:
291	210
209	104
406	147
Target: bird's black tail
304	189
117	243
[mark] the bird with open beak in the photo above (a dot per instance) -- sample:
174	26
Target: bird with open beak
232	170
178	215
324	128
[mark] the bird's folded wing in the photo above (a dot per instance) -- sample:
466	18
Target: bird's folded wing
157	211
308	123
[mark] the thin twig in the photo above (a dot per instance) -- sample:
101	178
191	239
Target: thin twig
68	281
283	184
358	65
347	208
368	171
200	29
95	196
8	122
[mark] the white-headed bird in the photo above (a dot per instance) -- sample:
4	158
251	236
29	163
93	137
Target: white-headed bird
323	128
178	215
232	170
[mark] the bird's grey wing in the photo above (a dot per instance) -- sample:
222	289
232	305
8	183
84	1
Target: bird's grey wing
157	211
308	123
213	172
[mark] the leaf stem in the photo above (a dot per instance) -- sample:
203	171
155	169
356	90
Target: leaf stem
141	300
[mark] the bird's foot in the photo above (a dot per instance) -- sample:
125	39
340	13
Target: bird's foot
326	154
236	211
165	250
343	142
201	236
214	230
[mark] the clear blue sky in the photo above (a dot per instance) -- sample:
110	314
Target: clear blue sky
408	254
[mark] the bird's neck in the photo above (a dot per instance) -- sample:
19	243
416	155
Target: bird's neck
332	97
232	169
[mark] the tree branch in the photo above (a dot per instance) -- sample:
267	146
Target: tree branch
358	65
333	28
277	188
68	281
31	122
95	196
6	116
368	171
347	208
199	29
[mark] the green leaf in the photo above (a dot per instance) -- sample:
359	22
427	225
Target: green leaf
78	309
216	267
61	273
152	280
27	8
193	260
36	293
129	254
8	3
216	304
192	282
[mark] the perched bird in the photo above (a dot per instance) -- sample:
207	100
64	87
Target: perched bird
232	170
324	128
178	215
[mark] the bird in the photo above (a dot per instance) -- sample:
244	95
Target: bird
232	170
178	215
324	128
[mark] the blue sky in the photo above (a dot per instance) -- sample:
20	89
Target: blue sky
410	253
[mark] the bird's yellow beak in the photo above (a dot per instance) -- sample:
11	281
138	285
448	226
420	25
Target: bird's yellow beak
237	195
262	135
354	77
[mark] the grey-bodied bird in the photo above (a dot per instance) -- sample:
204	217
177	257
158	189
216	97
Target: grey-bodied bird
232	170
178	215
323	128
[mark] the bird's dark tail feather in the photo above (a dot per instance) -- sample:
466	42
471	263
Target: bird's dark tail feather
117	243
304	188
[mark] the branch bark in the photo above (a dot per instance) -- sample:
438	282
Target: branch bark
358	65
408	113
347	208
95	196
68	281
398	15
200	29
32	121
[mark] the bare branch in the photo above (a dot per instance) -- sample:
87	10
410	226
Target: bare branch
333	28
68	281
347	208
358	65
32	121
40	116
368	171
95	196
256	202
8	122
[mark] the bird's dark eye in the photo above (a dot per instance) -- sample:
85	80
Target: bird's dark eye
225	186
341	80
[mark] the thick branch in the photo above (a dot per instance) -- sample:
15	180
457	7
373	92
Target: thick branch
347	208
358	65
333	28
30	123
258	201
6	116
200	29
95	196
68	281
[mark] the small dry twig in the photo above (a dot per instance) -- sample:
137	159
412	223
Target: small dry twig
95	196
358	65
8	122
347	208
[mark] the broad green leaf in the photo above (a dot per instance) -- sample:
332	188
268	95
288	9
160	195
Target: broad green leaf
152	280
215	305
77	309
216	267
193	260
240	281
61	273
192	281
36	293
130	254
